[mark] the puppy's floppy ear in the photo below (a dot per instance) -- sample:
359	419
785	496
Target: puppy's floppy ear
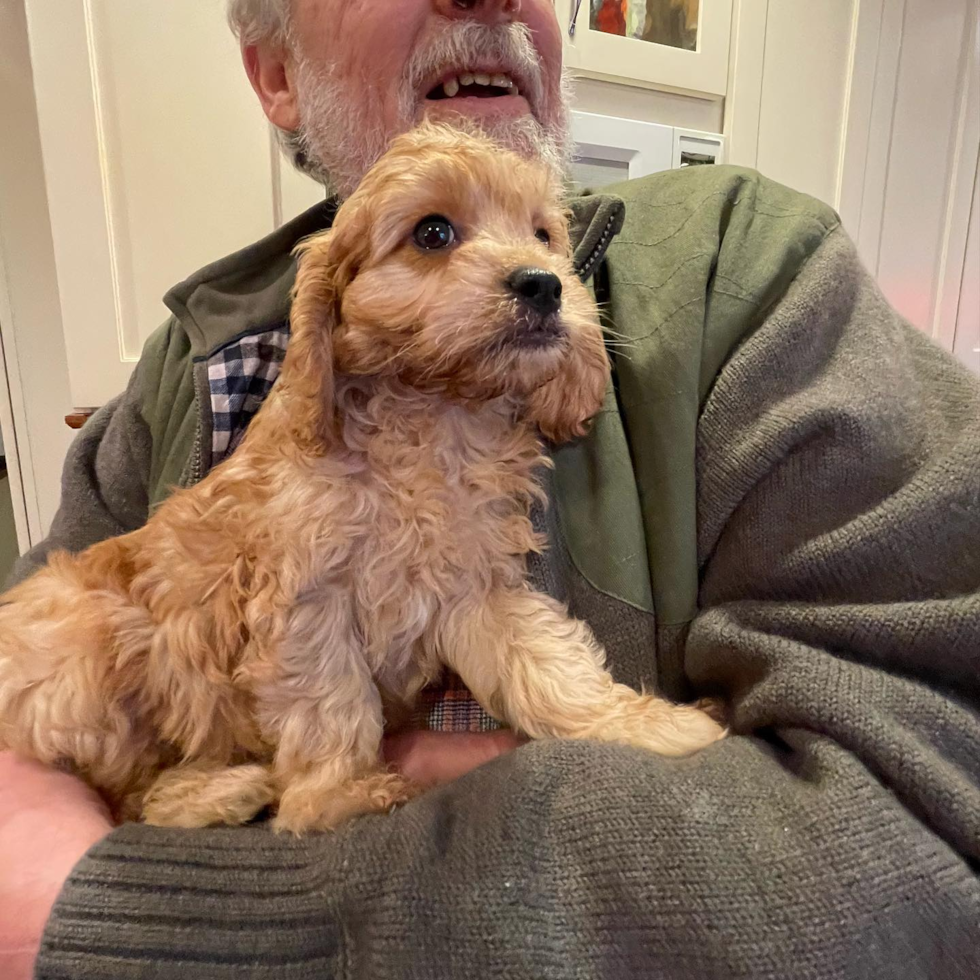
562	406
327	263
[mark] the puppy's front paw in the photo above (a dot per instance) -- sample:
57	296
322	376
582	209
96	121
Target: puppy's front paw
694	728
651	723
304	807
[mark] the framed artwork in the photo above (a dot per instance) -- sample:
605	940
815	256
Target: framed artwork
678	45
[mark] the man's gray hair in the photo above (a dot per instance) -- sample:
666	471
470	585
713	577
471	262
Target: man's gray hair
259	20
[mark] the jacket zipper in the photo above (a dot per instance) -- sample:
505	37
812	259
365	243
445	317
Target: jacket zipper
585	269
193	472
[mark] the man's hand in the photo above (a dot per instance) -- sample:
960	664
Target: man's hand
49	819
432	758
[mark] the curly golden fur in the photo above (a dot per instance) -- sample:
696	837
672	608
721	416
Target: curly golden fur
371	530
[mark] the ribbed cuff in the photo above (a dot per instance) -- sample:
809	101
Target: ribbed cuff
153	903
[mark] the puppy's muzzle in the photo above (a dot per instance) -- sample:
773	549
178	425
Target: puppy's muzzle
538	323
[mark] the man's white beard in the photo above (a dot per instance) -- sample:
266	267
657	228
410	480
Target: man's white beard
336	144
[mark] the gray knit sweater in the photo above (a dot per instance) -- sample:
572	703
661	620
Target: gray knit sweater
835	835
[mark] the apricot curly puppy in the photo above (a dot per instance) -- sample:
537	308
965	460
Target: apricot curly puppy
371	529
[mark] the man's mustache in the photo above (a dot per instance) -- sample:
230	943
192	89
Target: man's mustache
468	43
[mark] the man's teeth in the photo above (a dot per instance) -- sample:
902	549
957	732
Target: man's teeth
452	86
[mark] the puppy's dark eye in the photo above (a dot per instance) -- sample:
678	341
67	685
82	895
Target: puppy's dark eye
434	232
542	236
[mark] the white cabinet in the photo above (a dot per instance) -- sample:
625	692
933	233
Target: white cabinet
680	45
966	340
610	149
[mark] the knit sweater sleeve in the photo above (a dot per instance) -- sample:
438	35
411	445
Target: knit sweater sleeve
835	834
129	455
839	558
839	543
103	483
112	470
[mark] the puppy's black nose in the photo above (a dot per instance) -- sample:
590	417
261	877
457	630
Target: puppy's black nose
539	290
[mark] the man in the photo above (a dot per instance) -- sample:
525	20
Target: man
778	503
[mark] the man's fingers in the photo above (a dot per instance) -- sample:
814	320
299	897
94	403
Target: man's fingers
433	758
48	820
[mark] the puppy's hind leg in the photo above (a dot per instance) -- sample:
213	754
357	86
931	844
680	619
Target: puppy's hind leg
204	794
68	656
324	713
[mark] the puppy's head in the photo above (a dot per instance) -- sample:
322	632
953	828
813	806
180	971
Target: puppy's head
450	268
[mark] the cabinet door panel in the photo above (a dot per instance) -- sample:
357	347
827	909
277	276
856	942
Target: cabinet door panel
157	161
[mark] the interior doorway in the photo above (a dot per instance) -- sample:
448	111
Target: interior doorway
8	529
9	470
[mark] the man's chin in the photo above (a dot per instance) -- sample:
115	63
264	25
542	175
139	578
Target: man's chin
508	120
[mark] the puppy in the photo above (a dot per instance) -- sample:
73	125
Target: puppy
370	531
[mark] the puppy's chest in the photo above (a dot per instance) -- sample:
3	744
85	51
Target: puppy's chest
446	511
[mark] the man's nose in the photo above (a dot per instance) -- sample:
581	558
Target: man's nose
487	11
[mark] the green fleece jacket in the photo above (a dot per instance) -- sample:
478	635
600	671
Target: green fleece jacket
780	502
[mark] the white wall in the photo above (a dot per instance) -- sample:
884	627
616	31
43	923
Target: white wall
804	92
966	345
911	156
32	336
788	85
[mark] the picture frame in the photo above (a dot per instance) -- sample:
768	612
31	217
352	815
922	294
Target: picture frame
592	51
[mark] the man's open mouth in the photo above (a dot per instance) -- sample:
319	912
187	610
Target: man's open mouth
478	85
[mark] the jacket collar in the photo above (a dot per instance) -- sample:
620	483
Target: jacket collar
248	291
